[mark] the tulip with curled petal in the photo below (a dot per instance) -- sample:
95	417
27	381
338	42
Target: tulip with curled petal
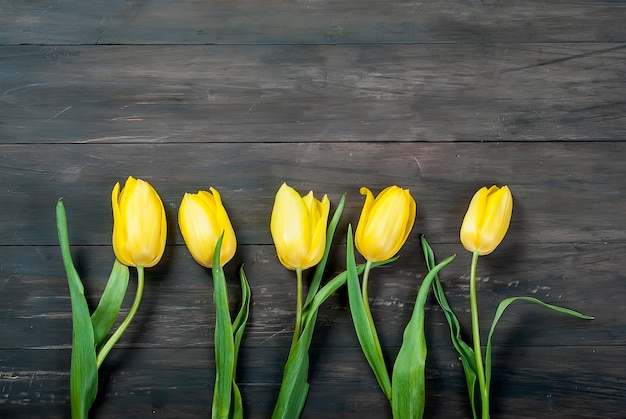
202	219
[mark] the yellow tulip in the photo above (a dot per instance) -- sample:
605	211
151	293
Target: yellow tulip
487	219
385	223
202	220
139	224
298	226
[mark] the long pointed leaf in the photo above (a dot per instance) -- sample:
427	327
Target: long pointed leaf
333	285
238	328
108	308
321	266
501	307
468	360
83	369
455	327
224	343
237	404
366	333
294	387
409	377
242	317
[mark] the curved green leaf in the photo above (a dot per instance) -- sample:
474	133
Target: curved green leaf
83	369
238	328
224	342
294	387
321	266
111	300
468	360
237	403
365	330
242	317
408	377
333	285
501	307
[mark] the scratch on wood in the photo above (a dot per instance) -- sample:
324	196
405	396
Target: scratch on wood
419	165
568	58
60	113
283	330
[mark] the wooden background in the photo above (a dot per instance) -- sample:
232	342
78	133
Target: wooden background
440	97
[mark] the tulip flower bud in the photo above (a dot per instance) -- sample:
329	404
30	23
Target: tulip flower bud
487	219
202	220
298	226
139	224
385	223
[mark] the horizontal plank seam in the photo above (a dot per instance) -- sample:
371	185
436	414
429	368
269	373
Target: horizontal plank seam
179	143
26	44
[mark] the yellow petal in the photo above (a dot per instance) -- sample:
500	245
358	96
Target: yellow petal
487	219
197	228
202	220
385	223
119	233
289	227
319	220
496	221
472	220
140	226
359	238
229	242
298	226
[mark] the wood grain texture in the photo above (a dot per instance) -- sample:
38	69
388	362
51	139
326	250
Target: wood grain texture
475	92
164	362
147	382
36	300
548	180
309	22
438	97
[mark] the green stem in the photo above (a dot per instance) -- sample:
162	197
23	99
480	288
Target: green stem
106	348
370	319
298	326
366	303
480	370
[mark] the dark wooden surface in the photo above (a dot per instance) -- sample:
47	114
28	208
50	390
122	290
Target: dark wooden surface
439	97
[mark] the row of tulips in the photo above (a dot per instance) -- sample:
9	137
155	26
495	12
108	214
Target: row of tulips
302	235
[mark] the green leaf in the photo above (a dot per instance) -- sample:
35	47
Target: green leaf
294	387
321	266
455	327
468	360
466	352
501	307
108	308
242	317
409	378
365	330
83	370
333	285
238	328
224	342
237	404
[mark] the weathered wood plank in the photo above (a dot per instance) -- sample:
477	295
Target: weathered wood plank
309	22
146	94
563	192
177	309
327	96
142	383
